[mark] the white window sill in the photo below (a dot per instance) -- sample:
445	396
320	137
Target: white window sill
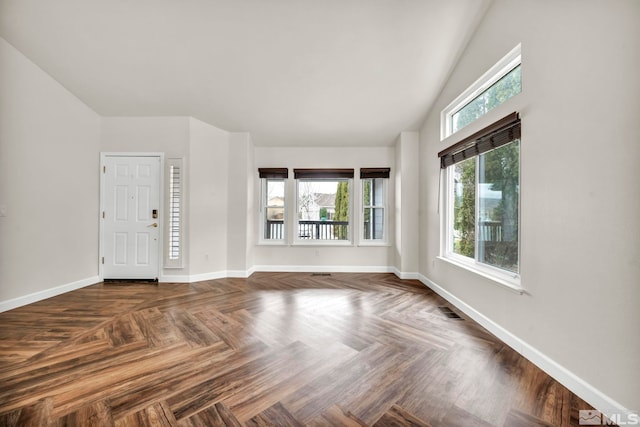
505	281
272	243
344	243
374	243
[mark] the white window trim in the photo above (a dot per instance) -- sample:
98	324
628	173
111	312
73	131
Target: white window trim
261	217
297	241
498	275
494	275
510	61
385	225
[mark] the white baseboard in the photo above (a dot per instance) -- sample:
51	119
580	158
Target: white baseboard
577	385
207	276
284	269
175	278
322	269
404	275
243	274
168	278
47	293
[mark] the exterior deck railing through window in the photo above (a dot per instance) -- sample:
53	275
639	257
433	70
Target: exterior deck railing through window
490	231
274	230
309	229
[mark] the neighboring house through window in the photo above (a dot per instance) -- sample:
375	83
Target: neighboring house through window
323	205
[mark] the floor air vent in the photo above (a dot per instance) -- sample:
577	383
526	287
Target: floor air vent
449	313
320	274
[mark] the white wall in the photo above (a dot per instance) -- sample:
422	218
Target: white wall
324	257
205	150
208	192
241	159
251	195
406	208
168	135
48	178
580	194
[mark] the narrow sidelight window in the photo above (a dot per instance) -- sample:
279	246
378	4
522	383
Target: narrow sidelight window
175	175
374	203
272	205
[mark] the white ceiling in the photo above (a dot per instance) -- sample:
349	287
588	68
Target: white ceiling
291	72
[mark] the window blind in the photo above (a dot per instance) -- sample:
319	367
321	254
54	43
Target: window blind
374	173
174	239
274	173
493	136
322	173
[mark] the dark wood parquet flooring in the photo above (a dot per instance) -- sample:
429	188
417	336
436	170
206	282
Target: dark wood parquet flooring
283	349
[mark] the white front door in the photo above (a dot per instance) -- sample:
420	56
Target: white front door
131	217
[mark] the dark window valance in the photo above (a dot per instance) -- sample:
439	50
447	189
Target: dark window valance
274	173
322	173
493	136
374	173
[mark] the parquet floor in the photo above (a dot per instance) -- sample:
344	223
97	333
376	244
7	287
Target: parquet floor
283	349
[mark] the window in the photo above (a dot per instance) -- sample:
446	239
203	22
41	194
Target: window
483	188
323	204
173	255
273	203
501	82
482	185
374	187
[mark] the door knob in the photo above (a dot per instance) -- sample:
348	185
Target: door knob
155	224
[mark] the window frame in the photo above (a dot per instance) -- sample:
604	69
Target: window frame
511	280
264	206
505	65
171	261
499	275
297	241
364	241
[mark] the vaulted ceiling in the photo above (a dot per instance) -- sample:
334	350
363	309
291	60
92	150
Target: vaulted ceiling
291	72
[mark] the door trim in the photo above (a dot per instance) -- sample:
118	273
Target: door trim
103	157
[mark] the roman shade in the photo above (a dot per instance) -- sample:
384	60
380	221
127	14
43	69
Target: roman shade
274	173
493	136
322	173
374	173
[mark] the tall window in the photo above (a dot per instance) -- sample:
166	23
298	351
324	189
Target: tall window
323	204
374	217
483	189
482	186
273	203
174	174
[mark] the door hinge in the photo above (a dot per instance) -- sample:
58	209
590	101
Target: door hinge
102	214
104	169
103	260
